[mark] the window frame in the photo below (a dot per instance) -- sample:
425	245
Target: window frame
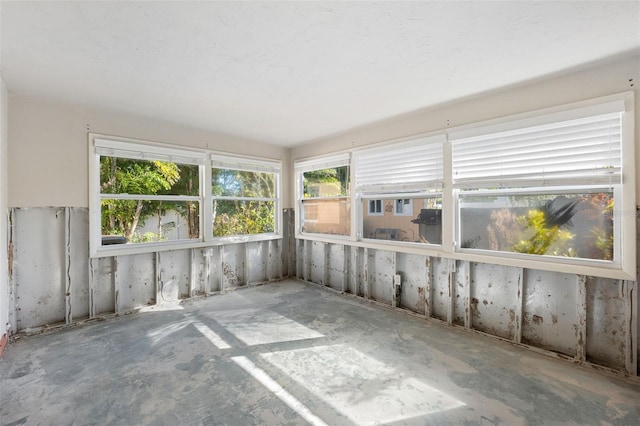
377	201
320	163
227	162
401	201
166	151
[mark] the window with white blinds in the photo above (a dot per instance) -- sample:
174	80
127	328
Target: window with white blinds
414	165
135	151
580	151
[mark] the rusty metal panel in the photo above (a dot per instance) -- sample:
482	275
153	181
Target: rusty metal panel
175	267
550	311
411	268
135	284
257	254
381	271
232	266
440	288
38	268
606	328
335	266
494	297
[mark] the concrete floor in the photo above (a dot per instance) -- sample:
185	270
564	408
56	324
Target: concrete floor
291	353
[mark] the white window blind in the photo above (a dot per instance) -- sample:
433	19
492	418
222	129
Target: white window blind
580	151
322	163
413	165
135	151
245	164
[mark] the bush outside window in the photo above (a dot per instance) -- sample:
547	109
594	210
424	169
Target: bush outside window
149	200
244	202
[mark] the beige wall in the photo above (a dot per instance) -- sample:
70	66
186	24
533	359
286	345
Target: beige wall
572	86
49	148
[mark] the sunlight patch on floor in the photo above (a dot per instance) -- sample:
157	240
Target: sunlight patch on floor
362	388
259	326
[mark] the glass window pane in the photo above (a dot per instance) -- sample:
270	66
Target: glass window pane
138	221
333	182
146	177
330	216
571	225
421	221
234	217
237	183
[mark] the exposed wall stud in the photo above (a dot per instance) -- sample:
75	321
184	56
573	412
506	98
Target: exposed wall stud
428	276
221	261
115	283
451	276
395	280
270	258
246	263
631	322
93	265
67	265
158	277
366	280
519	307
326	248
346	254
467	295
581	320
192	273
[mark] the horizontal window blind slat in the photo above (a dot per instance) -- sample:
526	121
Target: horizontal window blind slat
586	148
415	163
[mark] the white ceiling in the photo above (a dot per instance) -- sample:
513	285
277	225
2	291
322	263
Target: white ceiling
291	72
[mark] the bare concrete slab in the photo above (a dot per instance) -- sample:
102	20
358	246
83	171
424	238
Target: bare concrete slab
290	353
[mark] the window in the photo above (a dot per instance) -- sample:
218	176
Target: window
551	189
412	170
324	196
147	194
375	208
149	197
404	207
244	196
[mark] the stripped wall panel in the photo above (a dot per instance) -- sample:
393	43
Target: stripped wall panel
53	280
335	266
411	268
78	231
550	311
381	271
257	254
38	266
316	262
606	326
135	285
440	288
